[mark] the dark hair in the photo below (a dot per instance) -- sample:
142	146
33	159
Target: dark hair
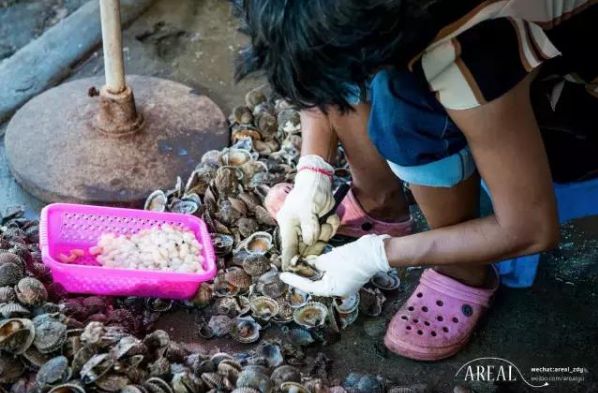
311	51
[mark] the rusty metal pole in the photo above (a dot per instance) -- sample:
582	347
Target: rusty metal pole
118	115
112	39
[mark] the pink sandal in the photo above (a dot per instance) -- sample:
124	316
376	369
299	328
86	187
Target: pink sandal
438	318
355	222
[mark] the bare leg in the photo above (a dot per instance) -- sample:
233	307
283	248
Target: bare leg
376	187
449	206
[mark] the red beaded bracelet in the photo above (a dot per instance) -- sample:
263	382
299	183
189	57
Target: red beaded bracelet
317	170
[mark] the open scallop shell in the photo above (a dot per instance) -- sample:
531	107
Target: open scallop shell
245	330
264	307
302	268
156	201
297	298
312	315
257	243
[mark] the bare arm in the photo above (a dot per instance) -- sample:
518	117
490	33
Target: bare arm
506	144
318	137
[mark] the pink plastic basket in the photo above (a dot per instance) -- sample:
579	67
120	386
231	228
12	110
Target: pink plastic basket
64	227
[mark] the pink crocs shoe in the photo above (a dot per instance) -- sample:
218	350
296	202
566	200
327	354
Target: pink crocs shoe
355	222
438	318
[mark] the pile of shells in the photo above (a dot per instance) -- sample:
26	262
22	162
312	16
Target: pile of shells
50	342
227	190
59	343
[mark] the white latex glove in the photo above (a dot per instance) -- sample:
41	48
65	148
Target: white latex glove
310	198
346	269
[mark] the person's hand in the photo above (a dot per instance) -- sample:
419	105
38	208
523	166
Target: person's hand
346	269
311	198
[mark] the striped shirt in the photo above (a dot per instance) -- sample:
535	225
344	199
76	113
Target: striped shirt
487	47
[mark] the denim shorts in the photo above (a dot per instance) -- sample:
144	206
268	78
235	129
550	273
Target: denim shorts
413	132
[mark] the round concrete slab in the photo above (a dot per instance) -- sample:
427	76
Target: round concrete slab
56	153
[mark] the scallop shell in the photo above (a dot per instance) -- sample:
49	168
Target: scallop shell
258	243
238	277
224	288
297	298
246	226
227	213
285	313
69	387
256	264
264	307
241	115
220	324
213	380
245	330
254	97
227	179
267	124
156	201
293	387
299	336
285	373
13	309
272	352
10	274
30	291
199	180
289	121
35	358
371	301
157	385
16	335
346	305
251	169
212	158
245	132
187	205
263	217
7	294
9	257
54	371
229	368
235	157
228	306
203	296
255	377
312	315
304	269
271	285
223	244
386	281
11	368
50	334
348	318
245	390
112	382
250	199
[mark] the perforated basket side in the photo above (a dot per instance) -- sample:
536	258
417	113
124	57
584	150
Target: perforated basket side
80	225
